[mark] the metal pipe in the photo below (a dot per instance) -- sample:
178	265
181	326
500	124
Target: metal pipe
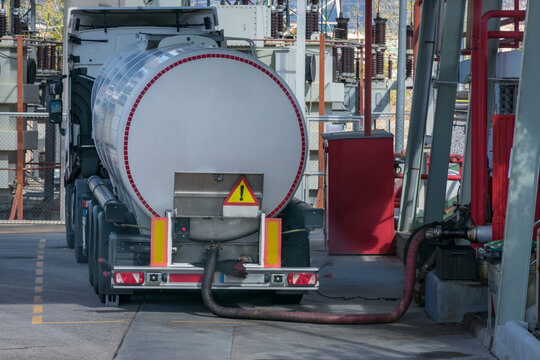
401	77
361	87
301	55
426	176
212	253
320	193
368	41
416	34
418	118
114	210
479	87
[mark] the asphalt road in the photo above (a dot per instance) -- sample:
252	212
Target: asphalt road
48	310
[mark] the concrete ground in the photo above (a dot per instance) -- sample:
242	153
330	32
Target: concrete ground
48	310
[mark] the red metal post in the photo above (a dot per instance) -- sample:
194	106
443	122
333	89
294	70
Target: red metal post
368	41
18	199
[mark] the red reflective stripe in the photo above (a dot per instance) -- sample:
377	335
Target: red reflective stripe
198	57
185	278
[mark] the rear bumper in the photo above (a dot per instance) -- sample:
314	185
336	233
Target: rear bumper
189	277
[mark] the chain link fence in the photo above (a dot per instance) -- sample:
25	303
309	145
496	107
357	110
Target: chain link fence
36	198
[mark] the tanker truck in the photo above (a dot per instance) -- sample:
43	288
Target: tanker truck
174	143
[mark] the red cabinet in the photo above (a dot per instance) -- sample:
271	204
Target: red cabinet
359	190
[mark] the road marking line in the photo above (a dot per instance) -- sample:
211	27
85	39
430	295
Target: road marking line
38	289
82	322
208	322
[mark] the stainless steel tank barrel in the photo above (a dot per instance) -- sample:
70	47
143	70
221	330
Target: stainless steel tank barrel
196	108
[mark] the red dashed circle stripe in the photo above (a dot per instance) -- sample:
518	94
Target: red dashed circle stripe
222	56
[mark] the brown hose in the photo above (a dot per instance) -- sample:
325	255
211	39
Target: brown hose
316	318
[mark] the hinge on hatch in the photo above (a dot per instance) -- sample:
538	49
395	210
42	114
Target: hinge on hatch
77	40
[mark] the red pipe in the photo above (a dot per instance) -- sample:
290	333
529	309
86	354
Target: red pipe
480	38
516	21
368	41
425	177
516	35
315	318
416	34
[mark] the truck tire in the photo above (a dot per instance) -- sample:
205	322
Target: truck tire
93	254
91	247
70	240
81	193
68	216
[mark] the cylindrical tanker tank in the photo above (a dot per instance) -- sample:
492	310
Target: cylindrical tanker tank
196	109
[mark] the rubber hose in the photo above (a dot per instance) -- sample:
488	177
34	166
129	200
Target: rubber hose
307	317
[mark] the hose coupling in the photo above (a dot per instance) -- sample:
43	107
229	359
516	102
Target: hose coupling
434	233
212	245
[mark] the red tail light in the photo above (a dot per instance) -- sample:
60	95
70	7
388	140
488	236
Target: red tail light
302	279
129	278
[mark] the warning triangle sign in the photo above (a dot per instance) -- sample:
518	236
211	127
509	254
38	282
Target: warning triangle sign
241	194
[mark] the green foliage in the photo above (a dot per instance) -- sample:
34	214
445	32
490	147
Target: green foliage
49	18
388	9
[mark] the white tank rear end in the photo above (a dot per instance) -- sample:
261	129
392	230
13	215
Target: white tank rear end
202	110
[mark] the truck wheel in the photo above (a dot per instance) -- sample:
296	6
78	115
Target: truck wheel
68	216
91	247
94	241
80	256
70	240
80	215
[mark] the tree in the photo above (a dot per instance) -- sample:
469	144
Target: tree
49	18
387	9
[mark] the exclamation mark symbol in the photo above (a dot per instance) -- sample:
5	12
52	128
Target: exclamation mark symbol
241	192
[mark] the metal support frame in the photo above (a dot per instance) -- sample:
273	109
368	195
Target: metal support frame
320	193
301	55
444	110
401	77
523	180
419	109
367	86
